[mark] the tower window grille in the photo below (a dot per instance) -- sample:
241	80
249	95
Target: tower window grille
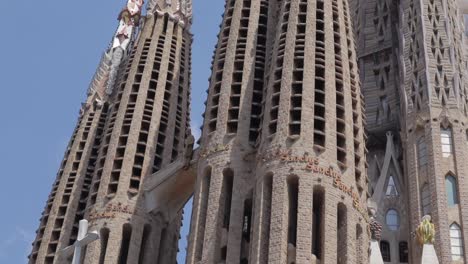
456	242
403	252
278	73
319	104
237	75
161	139
220	58
425	199
340	104
260	56
298	72
385	250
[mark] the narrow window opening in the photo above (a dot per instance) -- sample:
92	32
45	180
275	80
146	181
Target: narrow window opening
385	250
451	190
425	200
246	227
125	245
266	219
228	185
342	245
318	222
144	243
293	191
403	250
104	240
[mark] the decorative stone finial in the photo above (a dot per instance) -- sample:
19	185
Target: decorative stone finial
426	231
374	225
129	18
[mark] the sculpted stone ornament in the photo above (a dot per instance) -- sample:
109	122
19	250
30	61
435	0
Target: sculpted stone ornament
426	237
129	18
426	231
375	226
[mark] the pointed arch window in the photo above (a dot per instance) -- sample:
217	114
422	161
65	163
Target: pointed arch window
393	220
446	142
391	188
451	190
422	152
425	200
456	242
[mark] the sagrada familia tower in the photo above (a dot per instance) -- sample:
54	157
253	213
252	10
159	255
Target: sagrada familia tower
332	129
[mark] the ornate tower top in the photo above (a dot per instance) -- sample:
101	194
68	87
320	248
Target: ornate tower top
181	9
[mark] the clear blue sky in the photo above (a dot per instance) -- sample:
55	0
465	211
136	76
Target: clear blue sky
49	52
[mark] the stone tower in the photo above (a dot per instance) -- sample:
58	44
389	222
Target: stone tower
281	174
134	123
436	93
412	58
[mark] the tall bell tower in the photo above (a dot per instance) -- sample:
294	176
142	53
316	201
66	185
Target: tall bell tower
281	174
134	123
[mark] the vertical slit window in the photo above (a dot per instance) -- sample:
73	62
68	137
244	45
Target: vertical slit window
104	240
318	222
426	200
451	190
342	230
125	244
246	227
293	192
228	178
144	243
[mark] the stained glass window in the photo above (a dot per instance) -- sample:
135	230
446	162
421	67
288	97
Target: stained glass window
446	141
451	189
425	200
391	187
456	242
393	220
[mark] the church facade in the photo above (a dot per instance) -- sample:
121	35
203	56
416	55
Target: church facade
317	111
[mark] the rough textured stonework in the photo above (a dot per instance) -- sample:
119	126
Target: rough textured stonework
290	185
281	175
413	70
